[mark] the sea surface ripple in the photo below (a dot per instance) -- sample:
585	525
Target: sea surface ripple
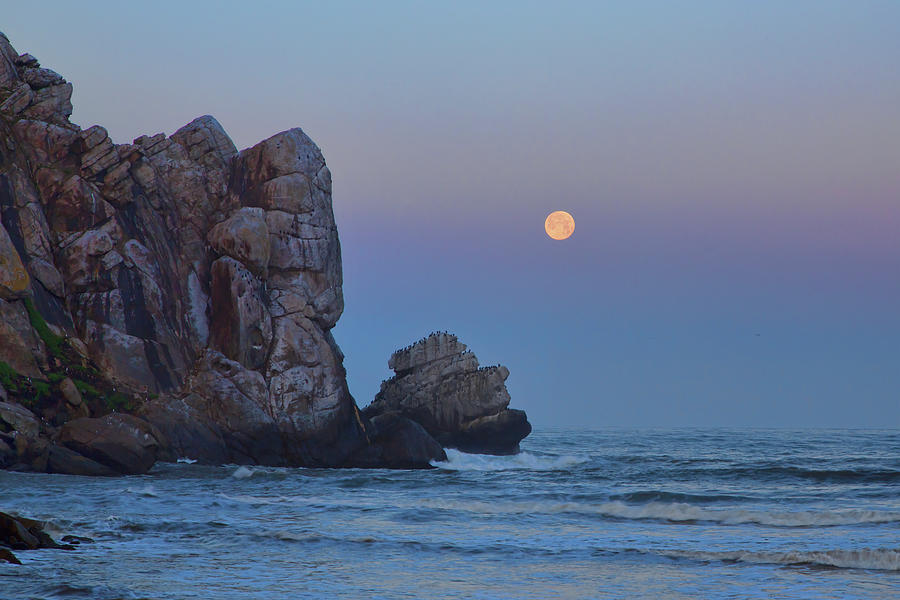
663	513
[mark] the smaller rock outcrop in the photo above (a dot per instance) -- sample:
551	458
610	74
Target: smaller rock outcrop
397	442
439	385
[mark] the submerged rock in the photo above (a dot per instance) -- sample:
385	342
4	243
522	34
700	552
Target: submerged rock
19	533
439	384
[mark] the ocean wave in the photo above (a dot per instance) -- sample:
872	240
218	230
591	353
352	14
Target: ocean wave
186	461
846	475
146	491
249	499
679	512
461	461
672	512
682	512
244	473
68	590
663	496
782	472
882	559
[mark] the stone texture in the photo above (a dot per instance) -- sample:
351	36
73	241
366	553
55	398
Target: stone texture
52	104
70	392
124	443
244	237
18	101
64	461
242	325
14	279
439	384
19	418
398	443
20	533
20	347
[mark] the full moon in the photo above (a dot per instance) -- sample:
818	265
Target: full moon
559	225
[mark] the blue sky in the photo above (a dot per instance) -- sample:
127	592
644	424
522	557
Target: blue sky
732	169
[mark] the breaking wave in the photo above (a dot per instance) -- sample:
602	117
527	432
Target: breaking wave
461	461
244	473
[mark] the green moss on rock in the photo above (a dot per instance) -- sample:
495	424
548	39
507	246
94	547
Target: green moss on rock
55	343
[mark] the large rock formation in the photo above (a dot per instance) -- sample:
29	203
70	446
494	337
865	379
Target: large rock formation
173	277
438	384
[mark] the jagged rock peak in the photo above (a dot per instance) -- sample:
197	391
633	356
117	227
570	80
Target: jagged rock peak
434	346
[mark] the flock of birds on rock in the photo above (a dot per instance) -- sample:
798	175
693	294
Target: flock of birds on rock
425	339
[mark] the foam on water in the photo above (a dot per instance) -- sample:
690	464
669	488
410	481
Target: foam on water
244	472
461	461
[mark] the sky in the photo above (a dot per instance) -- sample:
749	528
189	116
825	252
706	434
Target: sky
733	169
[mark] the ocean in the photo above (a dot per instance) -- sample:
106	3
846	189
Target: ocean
615	513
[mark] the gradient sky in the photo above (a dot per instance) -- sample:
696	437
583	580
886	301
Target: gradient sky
733	169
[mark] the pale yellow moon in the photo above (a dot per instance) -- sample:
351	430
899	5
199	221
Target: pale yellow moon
559	225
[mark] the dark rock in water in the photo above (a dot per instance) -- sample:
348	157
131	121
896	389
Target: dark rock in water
493	434
19	533
398	443
76	539
439	384
7	556
15	534
124	443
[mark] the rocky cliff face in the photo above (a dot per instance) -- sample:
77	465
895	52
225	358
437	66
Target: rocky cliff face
174	276
438	384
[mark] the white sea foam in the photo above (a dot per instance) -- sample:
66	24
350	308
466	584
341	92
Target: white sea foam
461	461
881	559
243	473
186	461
